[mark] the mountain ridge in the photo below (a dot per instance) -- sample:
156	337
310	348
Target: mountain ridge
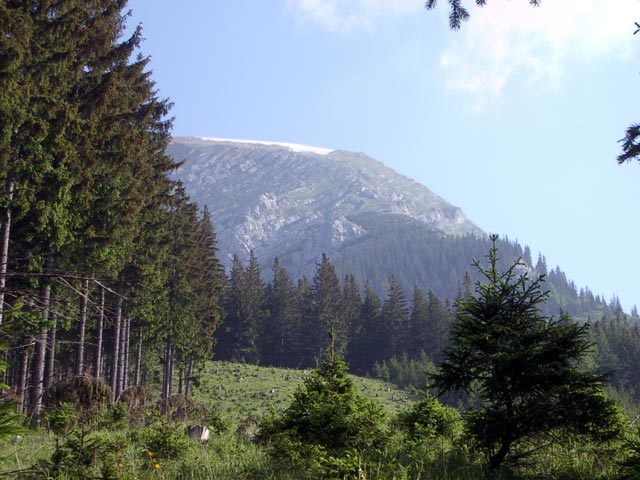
268	199
273	197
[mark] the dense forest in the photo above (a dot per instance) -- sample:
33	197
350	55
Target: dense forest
284	323
417	254
105	263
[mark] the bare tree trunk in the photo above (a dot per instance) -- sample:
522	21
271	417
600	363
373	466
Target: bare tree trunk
21	390
51	347
122	367
122	361
5	234
82	324
117	327
187	390
40	354
97	359
181	380
138	357
165	369
172	354
167	382
127	345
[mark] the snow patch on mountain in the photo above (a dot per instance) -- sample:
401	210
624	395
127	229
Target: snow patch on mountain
294	147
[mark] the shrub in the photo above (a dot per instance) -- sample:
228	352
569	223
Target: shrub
88	395
163	440
180	408
118	416
62	419
82	455
216	422
326	415
430	420
10	421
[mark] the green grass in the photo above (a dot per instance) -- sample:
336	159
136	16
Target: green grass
240	391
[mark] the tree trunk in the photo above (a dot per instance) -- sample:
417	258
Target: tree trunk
123	360
165	368
167	381
138	357
97	358
37	378
117	327
51	347
21	390
172	359
187	389
496	459
127	356
79	347
4	243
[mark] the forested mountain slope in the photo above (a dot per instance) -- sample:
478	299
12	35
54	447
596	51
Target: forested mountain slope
296	202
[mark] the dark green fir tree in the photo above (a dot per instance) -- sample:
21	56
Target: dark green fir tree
524	367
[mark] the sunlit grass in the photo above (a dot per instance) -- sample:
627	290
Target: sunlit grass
239	391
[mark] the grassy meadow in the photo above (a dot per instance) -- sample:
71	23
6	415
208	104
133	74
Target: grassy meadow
116	444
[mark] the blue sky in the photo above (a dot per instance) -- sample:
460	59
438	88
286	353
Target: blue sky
515	118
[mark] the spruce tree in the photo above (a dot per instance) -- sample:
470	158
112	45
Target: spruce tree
327	302
228	334
439	321
418	324
83	151
351	305
367	335
395	322
252	299
327	415
280	325
524	367
306	335
243	304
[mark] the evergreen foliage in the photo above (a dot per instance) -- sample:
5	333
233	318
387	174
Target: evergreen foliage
280	328
416	255
326	417
365	340
109	277
458	13
104	248
524	367
429	420
243	304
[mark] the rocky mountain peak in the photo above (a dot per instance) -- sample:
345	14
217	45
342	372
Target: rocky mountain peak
295	201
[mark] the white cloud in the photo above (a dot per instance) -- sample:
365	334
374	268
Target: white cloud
345	16
510	40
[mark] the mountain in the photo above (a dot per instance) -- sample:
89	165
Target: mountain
297	202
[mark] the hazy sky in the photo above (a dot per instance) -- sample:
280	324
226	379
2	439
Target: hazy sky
515	118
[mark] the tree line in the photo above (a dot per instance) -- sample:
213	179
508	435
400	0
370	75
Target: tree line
284	322
415	253
104	260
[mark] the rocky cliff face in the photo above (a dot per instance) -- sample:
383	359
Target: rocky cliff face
297	202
